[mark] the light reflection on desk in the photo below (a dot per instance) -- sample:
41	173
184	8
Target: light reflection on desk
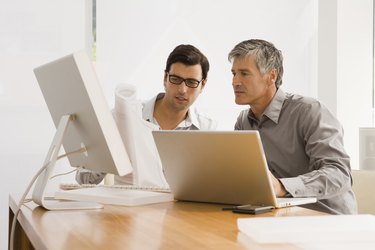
170	225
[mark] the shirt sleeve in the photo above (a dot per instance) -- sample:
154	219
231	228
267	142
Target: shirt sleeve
84	176
329	171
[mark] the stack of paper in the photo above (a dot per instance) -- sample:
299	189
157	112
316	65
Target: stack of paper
309	229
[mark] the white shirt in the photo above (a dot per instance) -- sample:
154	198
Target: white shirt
194	120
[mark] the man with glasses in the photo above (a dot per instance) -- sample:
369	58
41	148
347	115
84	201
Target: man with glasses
185	77
302	140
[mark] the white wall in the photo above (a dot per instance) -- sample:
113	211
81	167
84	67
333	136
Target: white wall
354	70
135	38
31	33
344	66
327	54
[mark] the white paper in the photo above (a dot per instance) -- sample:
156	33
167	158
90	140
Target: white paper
310	229
137	136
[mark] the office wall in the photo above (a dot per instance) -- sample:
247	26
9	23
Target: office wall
354	71
135	38
327	46
31	33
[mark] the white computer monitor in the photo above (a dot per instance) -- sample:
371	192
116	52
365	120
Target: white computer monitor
83	120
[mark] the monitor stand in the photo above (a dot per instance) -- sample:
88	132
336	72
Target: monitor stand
42	181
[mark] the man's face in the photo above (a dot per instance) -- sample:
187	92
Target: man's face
180	97
249	85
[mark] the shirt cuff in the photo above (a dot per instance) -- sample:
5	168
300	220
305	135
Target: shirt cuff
294	186
84	176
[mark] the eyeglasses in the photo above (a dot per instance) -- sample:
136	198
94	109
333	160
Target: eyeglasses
191	83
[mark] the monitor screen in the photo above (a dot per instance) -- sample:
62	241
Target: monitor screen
70	87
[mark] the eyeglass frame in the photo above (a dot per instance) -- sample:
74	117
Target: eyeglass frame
183	80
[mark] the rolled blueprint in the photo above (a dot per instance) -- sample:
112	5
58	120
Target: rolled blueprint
136	135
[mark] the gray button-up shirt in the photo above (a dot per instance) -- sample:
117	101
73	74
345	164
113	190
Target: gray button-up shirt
303	143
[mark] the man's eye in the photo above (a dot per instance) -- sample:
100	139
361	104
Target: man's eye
175	79
191	81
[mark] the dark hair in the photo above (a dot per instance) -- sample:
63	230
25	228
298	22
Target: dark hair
267	56
188	55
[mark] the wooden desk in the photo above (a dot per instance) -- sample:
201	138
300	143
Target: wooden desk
171	225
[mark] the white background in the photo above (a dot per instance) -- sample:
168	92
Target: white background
327	47
130	49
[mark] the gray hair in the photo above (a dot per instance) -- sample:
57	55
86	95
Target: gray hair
267	57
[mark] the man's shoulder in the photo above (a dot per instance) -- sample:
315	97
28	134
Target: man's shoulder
148	107
303	102
307	107
151	101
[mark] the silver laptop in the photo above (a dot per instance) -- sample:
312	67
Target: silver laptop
227	167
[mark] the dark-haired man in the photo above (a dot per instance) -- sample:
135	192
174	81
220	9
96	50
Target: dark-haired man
185	77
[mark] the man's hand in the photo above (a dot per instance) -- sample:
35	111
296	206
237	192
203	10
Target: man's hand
280	191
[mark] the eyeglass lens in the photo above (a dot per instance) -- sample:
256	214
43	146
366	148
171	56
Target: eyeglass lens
191	83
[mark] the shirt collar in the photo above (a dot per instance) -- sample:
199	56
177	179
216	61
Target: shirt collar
148	114
148	108
274	108
192	118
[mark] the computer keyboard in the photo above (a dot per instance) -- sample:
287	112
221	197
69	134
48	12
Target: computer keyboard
72	186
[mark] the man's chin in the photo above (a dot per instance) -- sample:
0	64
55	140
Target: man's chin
182	105
240	102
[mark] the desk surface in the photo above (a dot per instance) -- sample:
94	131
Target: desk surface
171	225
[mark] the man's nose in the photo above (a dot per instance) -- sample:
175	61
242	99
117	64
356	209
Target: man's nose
235	81
182	87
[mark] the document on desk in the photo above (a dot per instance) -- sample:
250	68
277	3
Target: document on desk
309	229
114	196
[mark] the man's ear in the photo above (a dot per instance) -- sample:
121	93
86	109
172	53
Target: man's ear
203	84
272	76
165	80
